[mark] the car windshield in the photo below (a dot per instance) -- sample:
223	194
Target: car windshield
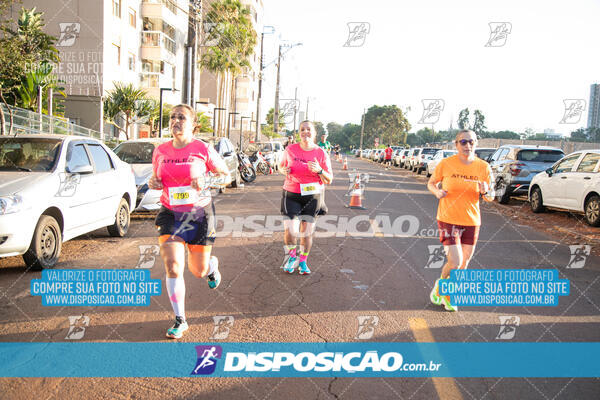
484	153
135	152
28	154
449	153
429	151
545	156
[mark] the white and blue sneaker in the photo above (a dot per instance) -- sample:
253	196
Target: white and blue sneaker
303	268
290	264
176	331
214	279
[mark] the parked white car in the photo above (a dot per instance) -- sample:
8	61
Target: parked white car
54	188
572	183
138	154
439	156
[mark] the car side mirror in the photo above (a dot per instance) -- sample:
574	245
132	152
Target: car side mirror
227	154
80	169
549	171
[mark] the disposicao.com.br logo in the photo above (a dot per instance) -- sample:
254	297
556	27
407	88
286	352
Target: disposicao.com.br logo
271	363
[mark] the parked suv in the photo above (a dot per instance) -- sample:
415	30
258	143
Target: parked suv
514	166
420	161
573	183
225	148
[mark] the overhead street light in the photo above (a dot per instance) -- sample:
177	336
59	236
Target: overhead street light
160	112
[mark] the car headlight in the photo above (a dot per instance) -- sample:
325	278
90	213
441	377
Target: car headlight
11	204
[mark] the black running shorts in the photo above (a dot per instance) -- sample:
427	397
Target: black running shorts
194	227
295	205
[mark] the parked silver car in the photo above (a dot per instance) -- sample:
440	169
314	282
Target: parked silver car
514	166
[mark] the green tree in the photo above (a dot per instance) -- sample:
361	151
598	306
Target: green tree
320	129
232	40
388	123
479	123
426	135
40	78
22	49
128	104
463	119
271	115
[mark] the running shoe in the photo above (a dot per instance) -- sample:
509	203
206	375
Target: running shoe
434	296
447	305
215	278
290	265
176	331
286	259
303	268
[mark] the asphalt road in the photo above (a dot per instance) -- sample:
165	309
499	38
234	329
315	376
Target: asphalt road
370	273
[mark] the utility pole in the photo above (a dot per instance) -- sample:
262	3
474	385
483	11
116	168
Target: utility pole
260	76
295	109
276	111
362	130
306	115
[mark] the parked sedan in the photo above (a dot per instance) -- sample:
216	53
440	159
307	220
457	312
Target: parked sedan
484	152
138	154
514	166
55	188
573	183
400	159
439	156
410	160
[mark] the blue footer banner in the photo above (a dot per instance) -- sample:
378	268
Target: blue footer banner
371	359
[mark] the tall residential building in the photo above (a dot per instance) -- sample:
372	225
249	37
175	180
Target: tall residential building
142	42
240	93
594	106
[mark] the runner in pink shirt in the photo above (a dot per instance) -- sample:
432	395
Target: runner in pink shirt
180	170
307	169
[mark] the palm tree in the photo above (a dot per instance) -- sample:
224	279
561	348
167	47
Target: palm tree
234	38
127	103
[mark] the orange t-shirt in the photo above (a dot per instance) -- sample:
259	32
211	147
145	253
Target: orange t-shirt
461	205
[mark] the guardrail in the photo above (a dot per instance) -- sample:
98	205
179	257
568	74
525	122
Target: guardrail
28	122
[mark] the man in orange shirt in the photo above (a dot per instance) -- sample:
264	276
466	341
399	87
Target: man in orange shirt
457	182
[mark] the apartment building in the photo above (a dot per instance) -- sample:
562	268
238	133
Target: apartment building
241	92
143	42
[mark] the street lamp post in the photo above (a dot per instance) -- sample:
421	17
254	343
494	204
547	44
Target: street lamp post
215	119
262	38
160	111
241	129
229	120
276	110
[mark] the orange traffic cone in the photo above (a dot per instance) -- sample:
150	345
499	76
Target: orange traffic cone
356	195
345	166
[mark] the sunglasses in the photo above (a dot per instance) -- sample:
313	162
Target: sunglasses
465	141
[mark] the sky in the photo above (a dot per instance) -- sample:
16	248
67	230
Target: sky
416	50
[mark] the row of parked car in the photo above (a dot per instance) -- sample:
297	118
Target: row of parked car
54	188
544	174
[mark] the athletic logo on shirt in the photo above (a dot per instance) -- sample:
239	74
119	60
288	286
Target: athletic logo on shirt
207	359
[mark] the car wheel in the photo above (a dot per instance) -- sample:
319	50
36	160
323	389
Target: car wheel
592	211
121	225
238	179
536	200
419	170
502	192
428	173
46	244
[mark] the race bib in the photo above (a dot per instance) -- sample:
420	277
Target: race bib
310	188
182	195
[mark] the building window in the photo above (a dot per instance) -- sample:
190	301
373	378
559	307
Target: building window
117	8
174	76
153	66
132	18
131	61
117	53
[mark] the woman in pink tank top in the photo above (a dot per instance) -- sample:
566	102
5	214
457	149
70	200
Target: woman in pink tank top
307	169
180	170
